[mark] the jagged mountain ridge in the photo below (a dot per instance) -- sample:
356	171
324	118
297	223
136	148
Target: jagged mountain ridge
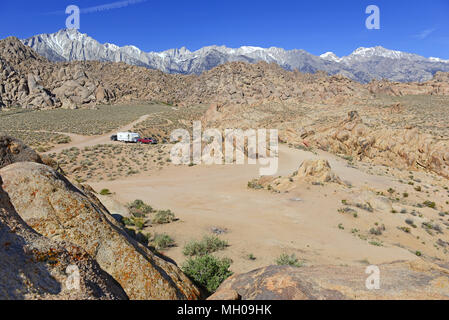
363	65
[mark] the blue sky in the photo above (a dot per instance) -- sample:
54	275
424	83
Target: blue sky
420	27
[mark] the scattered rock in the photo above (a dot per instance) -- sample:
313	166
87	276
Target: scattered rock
218	230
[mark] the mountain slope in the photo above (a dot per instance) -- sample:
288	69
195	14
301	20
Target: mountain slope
363	65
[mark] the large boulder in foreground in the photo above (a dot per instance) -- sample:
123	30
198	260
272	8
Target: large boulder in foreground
13	150
52	206
412	280
34	267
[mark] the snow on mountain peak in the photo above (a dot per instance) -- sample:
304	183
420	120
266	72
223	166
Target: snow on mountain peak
69	45
330	56
111	46
438	60
379	51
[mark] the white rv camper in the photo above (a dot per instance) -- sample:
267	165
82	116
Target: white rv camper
128	137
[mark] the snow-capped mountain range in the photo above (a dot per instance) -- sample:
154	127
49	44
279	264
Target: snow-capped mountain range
363	65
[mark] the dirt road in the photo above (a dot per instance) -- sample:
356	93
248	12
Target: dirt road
80	141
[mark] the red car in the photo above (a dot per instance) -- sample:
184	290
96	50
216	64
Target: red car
147	141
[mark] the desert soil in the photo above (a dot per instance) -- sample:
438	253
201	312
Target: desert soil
303	221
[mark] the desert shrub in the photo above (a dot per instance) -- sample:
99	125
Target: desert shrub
377	230
205	246
127	221
105	192
429	204
207	271
405	229
138	208
251	257
288	260
254	184
139	223
162	241
365	206
61	139
163	216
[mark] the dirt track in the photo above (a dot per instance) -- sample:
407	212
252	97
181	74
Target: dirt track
80	141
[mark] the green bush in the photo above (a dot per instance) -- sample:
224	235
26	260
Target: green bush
127	221
207	271
162	241
105	192
138	208
139	223
286	260
205	246
163	216
429	204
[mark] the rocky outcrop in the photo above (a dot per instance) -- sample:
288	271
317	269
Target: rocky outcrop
34	267
317	171
414	280
20	84
30	81
55	208
438	85
402	148
311	171
13	150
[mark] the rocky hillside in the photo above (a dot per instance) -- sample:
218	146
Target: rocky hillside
31	81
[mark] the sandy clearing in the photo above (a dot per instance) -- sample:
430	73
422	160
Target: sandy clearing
259	222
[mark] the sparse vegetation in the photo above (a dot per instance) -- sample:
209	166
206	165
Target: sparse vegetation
208	244
207	271
288	260
376	243
163	217
251	257
105	192
429	204
254	184
162	241
139	209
